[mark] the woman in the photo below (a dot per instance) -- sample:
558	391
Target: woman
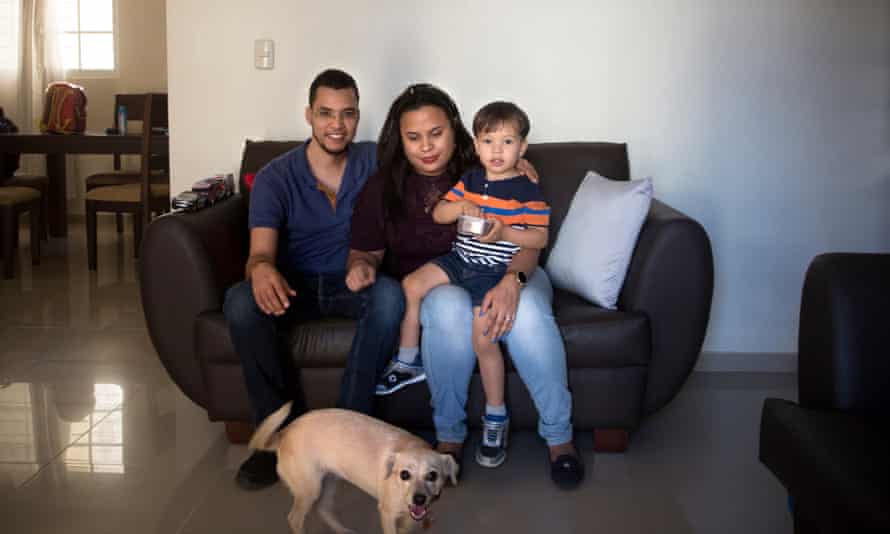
422	151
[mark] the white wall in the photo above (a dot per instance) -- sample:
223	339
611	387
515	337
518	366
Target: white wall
766	120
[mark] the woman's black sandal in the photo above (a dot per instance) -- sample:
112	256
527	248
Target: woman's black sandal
567	471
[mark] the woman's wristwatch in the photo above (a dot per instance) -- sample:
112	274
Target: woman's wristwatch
521	278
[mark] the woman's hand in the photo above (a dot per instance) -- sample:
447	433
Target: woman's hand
499	307
526	168
270	290
469	208
361	275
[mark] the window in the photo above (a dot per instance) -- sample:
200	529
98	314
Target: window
88	35
9	35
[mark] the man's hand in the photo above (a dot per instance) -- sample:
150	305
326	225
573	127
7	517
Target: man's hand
361	274
270	289
494	234
499	307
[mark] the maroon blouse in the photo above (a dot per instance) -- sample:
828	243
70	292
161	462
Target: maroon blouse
410	238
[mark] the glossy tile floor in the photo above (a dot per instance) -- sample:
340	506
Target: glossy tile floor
95	438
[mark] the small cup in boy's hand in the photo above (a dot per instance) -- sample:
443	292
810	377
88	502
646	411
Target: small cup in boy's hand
493	233
467	224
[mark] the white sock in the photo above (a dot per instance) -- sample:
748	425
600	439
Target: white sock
407	355
499	412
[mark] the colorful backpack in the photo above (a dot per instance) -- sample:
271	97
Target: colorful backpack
64	109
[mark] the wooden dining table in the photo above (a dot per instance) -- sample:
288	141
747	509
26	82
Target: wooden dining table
57	146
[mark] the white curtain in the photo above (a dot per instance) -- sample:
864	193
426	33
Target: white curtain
35	62
11	58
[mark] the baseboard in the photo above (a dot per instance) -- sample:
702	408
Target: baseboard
748	362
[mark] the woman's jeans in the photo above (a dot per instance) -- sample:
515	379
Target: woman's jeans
269	372
534	343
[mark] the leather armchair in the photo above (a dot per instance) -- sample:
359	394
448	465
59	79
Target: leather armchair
830	450
623	364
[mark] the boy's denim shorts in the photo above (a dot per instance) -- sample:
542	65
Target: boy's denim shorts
475	278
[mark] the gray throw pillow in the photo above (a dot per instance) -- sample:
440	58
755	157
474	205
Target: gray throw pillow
598	237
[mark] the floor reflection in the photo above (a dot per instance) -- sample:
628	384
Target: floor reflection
18	454
80	420
98	448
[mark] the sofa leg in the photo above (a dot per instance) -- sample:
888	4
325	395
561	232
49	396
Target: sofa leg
238	432
610	439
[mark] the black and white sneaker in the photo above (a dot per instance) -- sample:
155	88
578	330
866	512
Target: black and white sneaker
492	451
398	375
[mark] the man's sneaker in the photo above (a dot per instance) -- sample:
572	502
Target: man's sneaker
398	375
258	471
492	451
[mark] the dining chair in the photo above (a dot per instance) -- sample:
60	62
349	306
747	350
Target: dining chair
134	103
41	184
13	202
151	193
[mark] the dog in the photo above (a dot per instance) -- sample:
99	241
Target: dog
398	469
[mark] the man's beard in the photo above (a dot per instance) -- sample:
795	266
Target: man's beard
328	150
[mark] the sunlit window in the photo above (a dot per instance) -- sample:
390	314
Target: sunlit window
88	35
9	34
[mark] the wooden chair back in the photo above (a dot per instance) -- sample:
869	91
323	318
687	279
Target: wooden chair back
135	105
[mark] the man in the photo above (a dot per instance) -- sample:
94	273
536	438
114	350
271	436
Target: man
300	211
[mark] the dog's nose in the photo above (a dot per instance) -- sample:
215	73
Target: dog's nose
419	499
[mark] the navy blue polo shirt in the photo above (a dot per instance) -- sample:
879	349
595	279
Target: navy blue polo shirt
313	236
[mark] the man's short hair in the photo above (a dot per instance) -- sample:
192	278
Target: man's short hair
493	115
334	79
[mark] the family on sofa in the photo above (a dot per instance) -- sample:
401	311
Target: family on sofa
603	338
336	226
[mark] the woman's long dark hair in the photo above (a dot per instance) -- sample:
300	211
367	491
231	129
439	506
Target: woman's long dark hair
391	159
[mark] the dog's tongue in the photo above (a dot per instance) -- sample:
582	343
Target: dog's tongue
417	512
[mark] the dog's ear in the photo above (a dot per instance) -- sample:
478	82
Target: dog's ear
390	465
450	468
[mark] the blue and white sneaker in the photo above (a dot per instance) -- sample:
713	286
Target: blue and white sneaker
492	450
398	375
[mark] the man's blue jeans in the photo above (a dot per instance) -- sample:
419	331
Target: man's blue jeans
534	343
269	372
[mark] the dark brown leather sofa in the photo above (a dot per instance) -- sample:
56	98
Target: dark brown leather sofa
623	365
830	449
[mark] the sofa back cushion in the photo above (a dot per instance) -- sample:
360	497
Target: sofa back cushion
562	166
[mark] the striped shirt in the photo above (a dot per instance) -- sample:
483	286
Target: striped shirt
515	201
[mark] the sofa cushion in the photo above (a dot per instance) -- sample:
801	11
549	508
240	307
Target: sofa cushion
599	338
594	337
598	237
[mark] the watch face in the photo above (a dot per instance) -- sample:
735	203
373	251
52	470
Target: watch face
521	277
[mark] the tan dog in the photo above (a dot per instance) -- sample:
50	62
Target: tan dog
399	469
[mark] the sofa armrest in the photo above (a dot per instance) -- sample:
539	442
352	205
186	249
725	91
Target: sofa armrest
671	280
188	260
844	337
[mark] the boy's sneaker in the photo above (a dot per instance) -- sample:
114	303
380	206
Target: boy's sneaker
398	375
492	450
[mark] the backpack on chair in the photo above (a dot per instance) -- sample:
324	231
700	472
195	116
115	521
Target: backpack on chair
64	109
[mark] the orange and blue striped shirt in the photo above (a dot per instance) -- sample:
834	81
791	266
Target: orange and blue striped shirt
515	201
